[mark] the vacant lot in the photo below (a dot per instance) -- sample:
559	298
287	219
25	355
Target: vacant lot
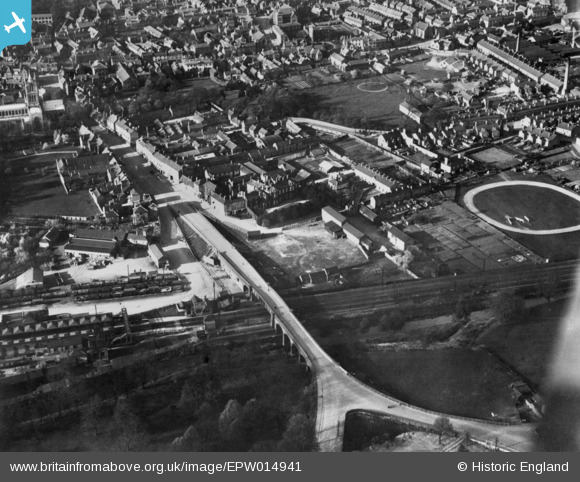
456	381
378	107
37	190
425	70
309	249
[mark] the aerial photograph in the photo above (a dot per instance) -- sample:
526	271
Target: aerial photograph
289	226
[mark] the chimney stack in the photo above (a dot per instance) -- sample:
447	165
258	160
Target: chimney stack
566	77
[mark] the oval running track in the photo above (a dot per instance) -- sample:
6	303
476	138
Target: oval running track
468	199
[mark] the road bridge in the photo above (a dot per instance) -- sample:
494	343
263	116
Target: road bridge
338	391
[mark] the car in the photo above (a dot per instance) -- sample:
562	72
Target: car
166	289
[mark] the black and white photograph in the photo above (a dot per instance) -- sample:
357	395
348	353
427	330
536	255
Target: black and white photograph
290	226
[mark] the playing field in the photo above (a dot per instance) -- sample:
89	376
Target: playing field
379	107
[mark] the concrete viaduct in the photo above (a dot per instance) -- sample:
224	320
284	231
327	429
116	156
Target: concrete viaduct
338	391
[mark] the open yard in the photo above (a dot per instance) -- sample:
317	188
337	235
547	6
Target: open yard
305	248
496	156
37	190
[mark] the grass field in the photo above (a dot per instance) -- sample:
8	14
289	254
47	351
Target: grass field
527	345
377	107
547	209
456	381
37	189
557	247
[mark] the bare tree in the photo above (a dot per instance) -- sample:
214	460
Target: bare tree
442	426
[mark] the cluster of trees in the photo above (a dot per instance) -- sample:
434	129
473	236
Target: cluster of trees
275	102
151	99
405	259
507	306
263	422
256	426
21	250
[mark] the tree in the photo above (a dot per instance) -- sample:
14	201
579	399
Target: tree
549	288
443	426
404	260
133	108
91	416
127	430
190	441
299	435
229	422
364	324
507	306
447	87
462	310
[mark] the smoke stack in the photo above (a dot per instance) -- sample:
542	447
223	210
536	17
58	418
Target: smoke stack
127	324
566	77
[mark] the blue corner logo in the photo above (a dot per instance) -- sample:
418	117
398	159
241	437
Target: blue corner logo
15	22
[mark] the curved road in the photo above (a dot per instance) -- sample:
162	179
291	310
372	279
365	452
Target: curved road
338	392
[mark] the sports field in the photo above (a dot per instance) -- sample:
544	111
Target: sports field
379	107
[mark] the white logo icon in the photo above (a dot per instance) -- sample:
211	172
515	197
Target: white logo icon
17	23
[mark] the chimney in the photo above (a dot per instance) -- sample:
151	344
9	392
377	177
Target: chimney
566	77
518	42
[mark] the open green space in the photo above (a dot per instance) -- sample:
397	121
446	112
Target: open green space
36	189
457	381
546	208
527	345
345	102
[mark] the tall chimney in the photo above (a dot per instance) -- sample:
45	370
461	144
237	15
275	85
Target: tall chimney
566	77
518	42
127	323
